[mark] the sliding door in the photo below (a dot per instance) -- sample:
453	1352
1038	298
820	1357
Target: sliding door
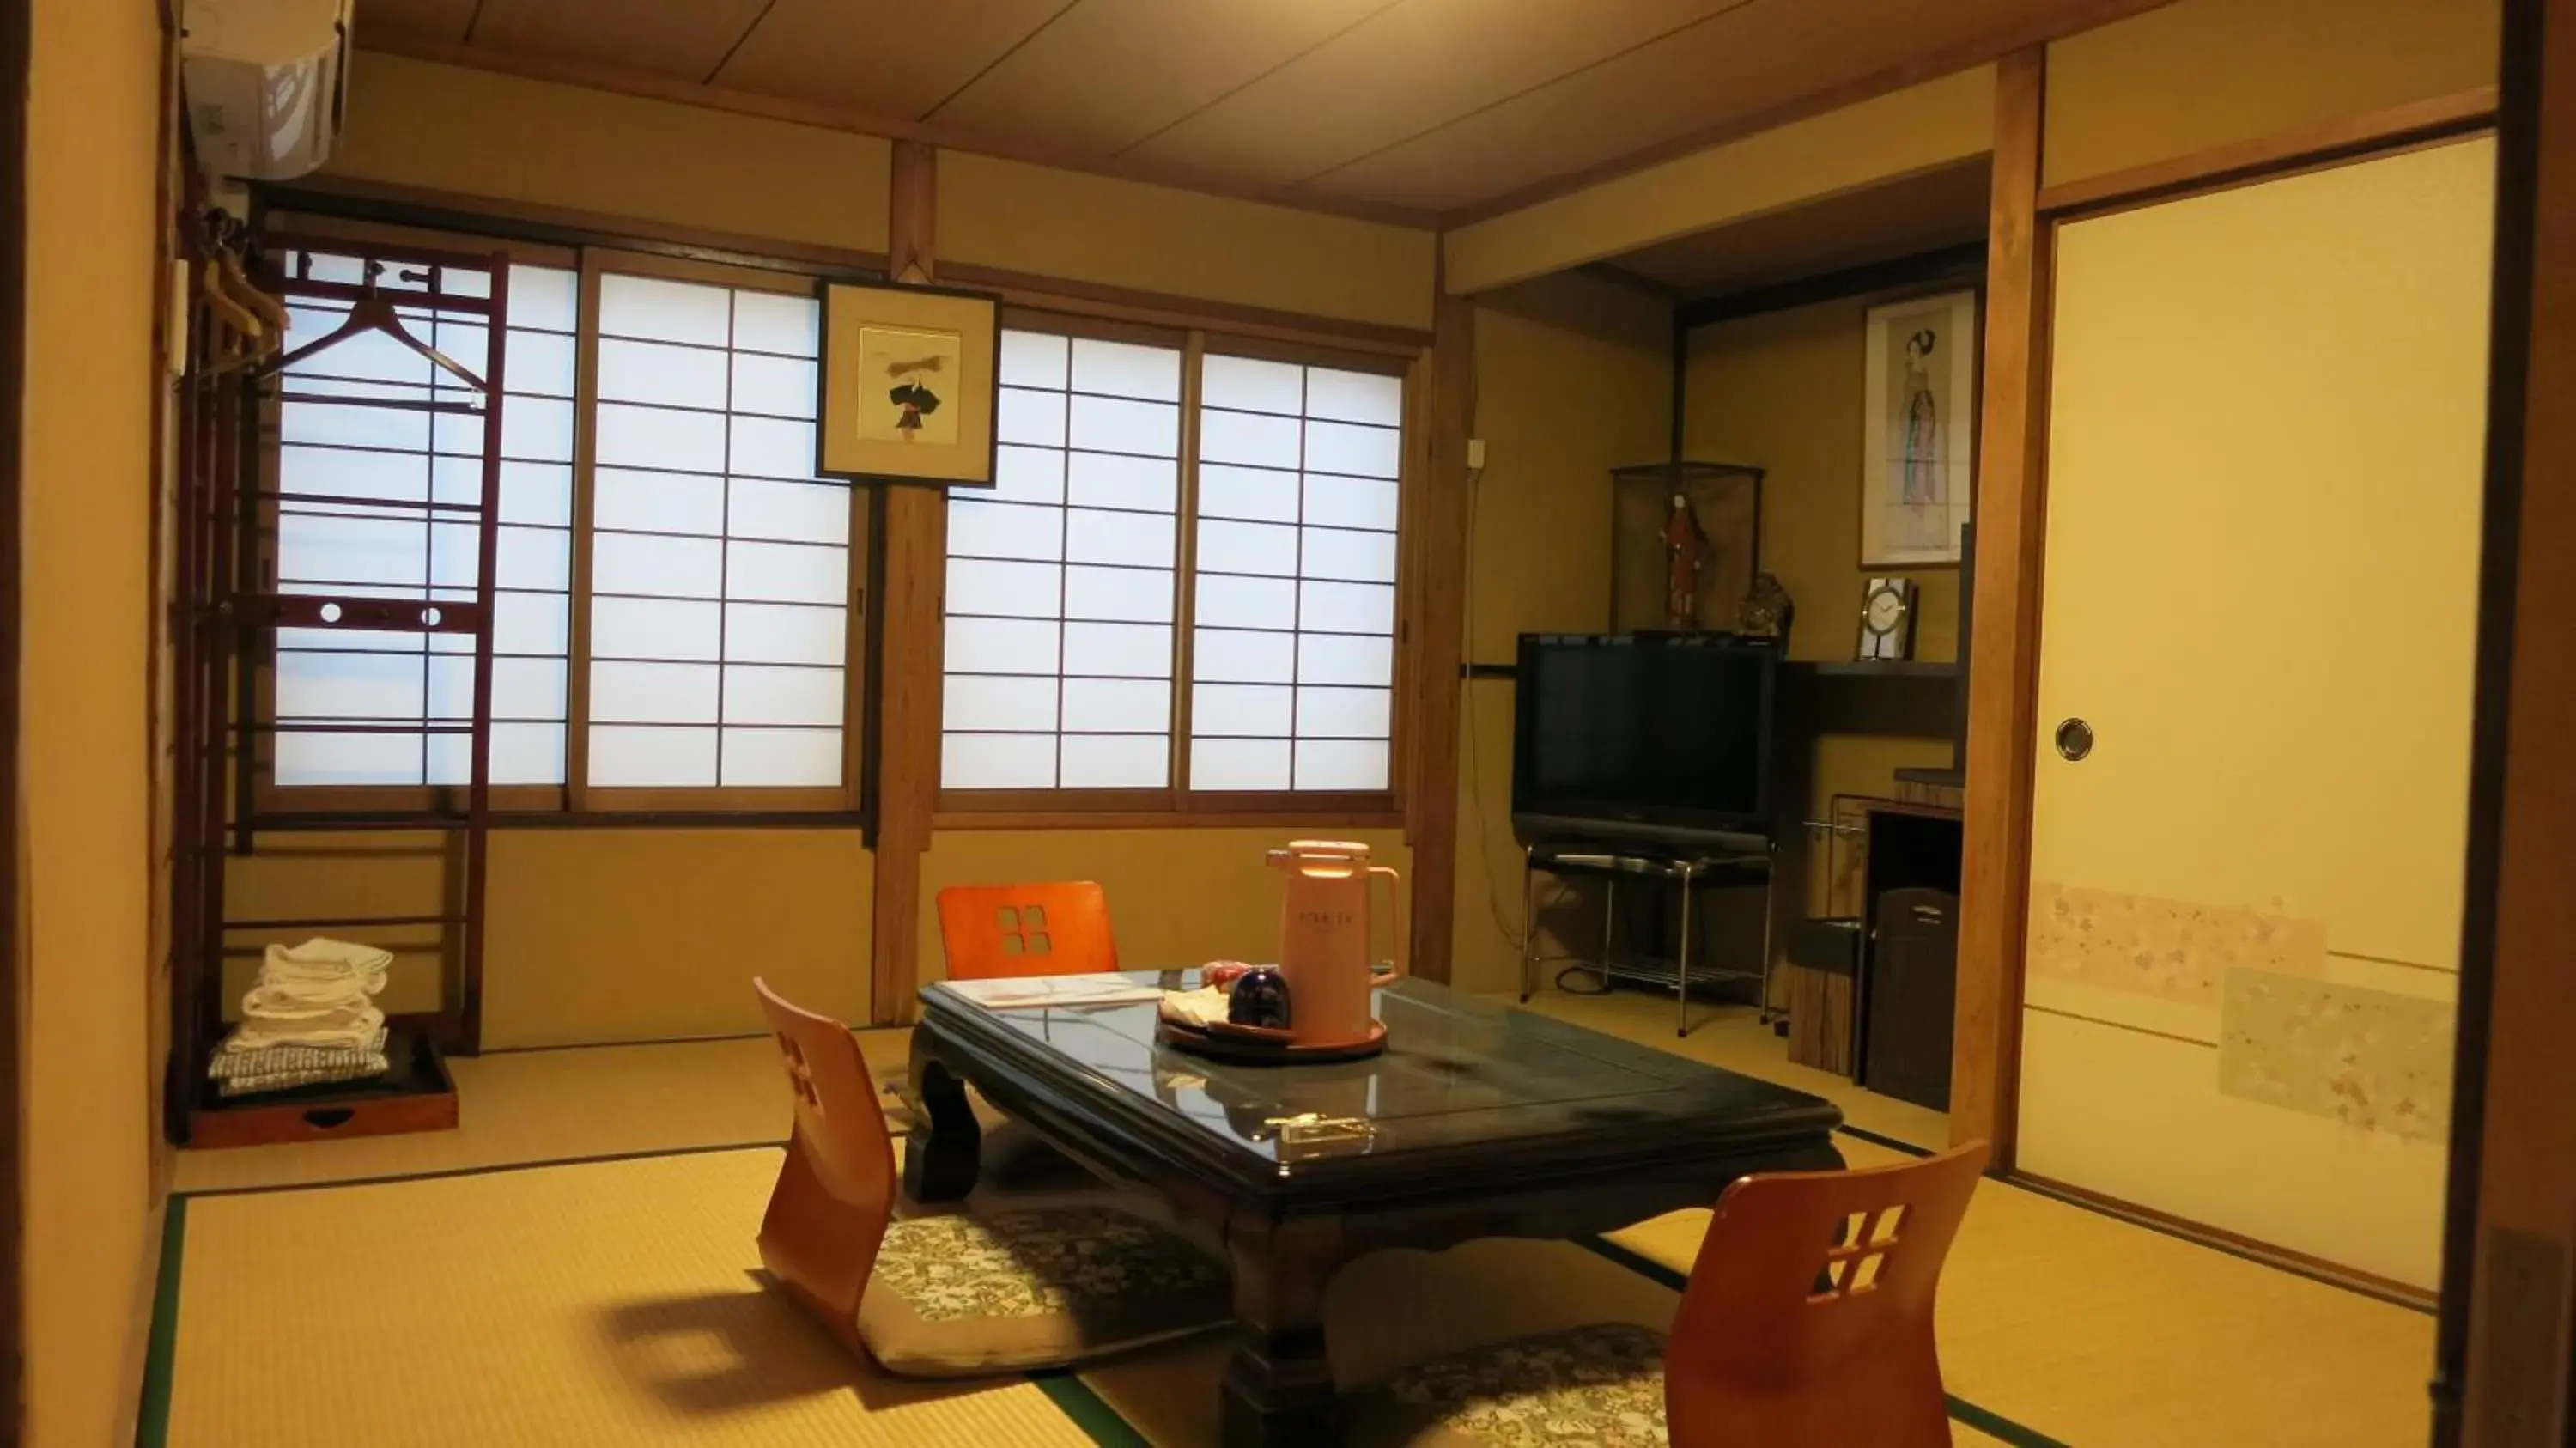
2266	423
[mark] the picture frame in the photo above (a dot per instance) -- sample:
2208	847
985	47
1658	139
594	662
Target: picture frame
1919	418
911	383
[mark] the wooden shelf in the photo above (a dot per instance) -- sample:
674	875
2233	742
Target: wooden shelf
1875	668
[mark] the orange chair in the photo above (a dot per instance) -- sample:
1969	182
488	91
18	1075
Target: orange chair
1028	1284
989	932
994	931
1807	1320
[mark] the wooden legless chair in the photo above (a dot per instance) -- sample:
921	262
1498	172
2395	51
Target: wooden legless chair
1029	1284
1776	1343
990	932
1807	1320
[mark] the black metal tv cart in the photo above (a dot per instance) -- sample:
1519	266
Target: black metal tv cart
1658	867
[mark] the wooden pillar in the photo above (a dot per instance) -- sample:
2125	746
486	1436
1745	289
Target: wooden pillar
2503	1370
1994	883
911	570
1439	643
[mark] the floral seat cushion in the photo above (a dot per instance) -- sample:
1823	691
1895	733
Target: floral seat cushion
1600	1386
1023	1286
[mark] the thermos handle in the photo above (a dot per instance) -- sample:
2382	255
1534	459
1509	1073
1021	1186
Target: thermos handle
1395	907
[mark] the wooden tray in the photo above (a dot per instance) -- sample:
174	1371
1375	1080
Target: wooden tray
1264	1049
417	1094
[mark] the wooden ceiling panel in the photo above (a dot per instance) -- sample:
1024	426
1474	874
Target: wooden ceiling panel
1112	72
1739	68
1928	210
437	20
897	58
1402	72
678	41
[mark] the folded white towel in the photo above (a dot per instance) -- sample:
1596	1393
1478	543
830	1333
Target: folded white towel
314	994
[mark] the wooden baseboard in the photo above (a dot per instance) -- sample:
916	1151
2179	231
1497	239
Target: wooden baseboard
2352	1279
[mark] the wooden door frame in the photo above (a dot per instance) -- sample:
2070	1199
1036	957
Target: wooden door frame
14	76
2503	1367
2012	506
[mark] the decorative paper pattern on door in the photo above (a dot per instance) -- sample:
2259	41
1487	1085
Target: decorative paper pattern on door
2367	1058
2171	948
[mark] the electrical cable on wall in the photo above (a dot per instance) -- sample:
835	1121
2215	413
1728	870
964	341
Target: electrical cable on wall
1517	939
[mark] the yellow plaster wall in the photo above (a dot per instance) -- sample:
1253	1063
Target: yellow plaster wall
1177	897
1573	378
93	224
1154	238
476	133
2204	73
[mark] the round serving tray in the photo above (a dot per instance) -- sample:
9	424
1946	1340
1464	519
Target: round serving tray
1265	1049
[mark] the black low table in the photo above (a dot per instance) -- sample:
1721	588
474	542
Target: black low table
1479	1120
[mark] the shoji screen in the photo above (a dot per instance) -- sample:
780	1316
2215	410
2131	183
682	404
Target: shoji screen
2266	428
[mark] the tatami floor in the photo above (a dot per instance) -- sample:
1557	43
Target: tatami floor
575	1265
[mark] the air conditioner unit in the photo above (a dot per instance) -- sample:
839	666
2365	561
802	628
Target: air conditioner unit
267	83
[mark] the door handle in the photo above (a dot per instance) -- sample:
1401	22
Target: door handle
2074	740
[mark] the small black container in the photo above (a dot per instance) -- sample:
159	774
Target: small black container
1259	998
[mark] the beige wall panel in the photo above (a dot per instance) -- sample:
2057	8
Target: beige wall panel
92	224
1405	70
1130	234
2376	1060
1547	353
1786	391
879	57
1109	73
2205	73
1923	211
414	123
2267	427
642	934
683	42
439	20
2137	1117
1932	124
1177	897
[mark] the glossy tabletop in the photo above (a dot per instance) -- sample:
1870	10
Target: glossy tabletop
1460	1077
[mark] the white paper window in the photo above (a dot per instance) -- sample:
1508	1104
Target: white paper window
1061	579
1292	664
384	503
720	564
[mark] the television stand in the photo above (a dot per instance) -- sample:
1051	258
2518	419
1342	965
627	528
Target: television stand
1686	870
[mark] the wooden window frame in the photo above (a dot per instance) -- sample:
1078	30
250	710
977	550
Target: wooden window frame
1175	804
575	801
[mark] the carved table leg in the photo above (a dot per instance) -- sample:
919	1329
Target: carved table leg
1279	1384
943	1153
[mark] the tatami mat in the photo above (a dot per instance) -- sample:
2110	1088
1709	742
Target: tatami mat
1733	1036
614	1297
574	1103
2096	1332
605	1303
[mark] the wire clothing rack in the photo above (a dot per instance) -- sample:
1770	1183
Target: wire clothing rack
232	607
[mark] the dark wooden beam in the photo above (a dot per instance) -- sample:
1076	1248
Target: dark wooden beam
1965	264
1994	883
1438	634
2503	1371
906	639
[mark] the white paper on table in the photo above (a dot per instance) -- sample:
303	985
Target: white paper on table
1026	992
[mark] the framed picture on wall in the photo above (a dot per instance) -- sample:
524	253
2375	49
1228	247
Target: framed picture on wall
910	384
1918	461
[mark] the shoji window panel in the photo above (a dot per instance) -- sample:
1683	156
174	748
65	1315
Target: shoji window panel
1062	578
349	521
1293	649
719	567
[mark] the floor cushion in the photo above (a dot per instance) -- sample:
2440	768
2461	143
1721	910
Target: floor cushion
1009	1285
1597	1385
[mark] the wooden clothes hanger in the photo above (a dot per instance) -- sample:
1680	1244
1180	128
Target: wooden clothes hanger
374	312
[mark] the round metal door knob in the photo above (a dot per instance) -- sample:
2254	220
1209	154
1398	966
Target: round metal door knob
2074	740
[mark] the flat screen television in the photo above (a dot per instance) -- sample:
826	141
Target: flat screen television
1662	737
